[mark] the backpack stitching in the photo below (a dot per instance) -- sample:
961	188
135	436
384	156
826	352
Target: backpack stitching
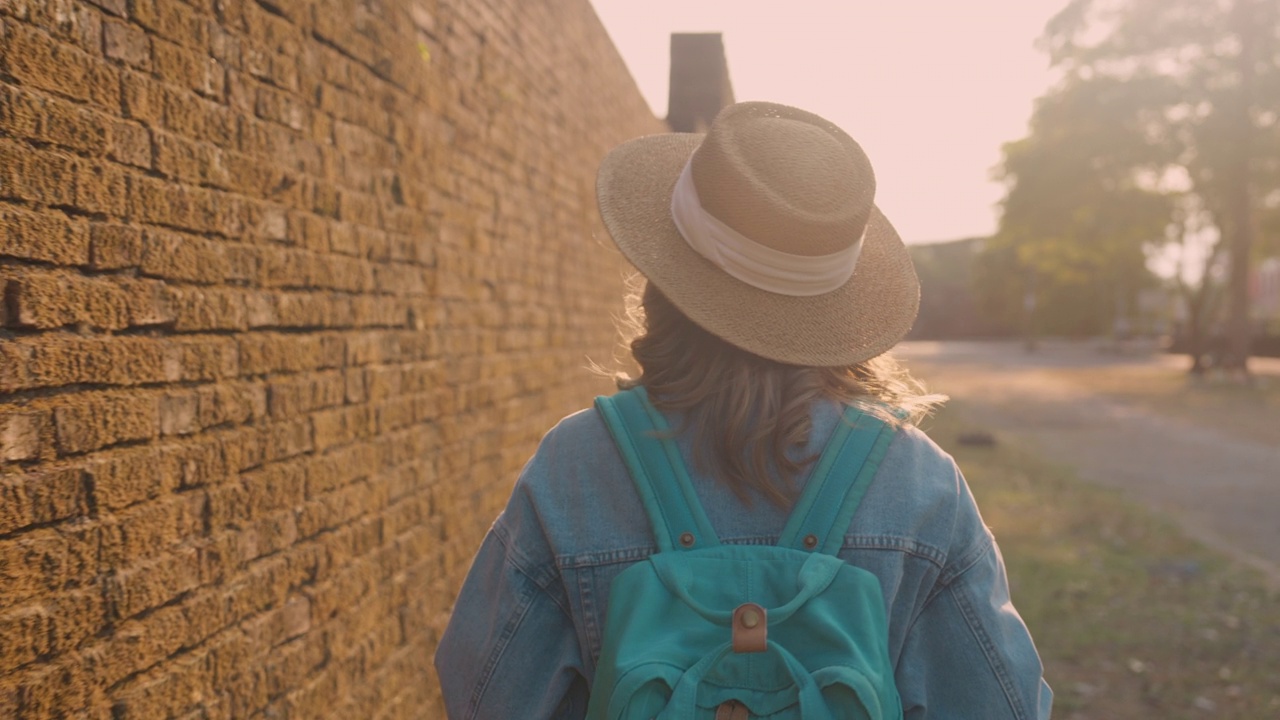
908	545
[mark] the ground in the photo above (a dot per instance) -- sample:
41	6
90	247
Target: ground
1133	616
1210	460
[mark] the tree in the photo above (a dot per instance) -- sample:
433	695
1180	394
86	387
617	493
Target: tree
1076	214
1163	129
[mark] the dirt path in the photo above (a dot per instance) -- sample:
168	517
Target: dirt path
1222	489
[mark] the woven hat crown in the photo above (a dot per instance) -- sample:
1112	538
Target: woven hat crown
772	196
785	178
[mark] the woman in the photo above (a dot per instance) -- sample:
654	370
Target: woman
774	288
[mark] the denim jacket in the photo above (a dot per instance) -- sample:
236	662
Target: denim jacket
525	634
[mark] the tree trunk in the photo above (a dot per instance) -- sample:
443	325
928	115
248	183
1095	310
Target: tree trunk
1240	203
1198	299
1195	327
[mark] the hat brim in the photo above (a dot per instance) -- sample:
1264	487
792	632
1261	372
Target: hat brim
863	318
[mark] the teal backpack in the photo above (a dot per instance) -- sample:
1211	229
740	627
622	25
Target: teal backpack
704	631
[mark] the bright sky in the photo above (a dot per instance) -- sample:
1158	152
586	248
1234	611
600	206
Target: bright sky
929	88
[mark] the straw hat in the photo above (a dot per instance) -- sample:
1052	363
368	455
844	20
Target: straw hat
764	232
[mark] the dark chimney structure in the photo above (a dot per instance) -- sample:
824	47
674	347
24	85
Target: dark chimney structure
699	81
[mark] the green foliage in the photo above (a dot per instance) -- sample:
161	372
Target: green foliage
1141	137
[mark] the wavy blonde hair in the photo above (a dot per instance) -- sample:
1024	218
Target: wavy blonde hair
750	414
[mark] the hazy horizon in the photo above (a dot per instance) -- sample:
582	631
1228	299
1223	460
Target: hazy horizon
930	90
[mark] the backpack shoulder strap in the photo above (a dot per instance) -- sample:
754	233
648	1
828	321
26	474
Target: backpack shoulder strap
653	460
830	498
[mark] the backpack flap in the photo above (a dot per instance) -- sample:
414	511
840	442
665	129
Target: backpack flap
697	579
803	688
818	649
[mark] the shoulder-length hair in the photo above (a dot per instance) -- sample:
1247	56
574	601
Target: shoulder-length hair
750	415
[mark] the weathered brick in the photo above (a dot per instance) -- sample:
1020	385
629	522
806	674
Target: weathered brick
181	257
178	413
287	440
137	645
274	487
15	358
204	614
30	564
167	692
128	476
39	60
274	224
338	467
207	358
335	427
231	403
262	353
292	396
60	359
131	144
47	119
149	302
89	421
155	201
228	505
115	246
127	43
115	7
261	310
224	45
173	21
46	237
65	20
266	583
194	116
37	176
190	69
20	433
177	158
54	689
151	529
274	281
203	461
52	300
153	583
100	188
74	127
276	106
293	664
41	497
141	98
209	309
77	616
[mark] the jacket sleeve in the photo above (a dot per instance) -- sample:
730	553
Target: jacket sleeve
510	650
968	654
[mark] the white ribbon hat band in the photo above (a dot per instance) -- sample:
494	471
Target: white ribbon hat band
747	260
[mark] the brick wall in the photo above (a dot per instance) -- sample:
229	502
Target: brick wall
291	290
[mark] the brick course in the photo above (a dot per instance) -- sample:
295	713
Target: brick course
289	290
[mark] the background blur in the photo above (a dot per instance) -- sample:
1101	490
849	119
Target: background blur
1091	191
1077	169
291	288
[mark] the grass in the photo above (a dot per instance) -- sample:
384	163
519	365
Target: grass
1251	412
1132	618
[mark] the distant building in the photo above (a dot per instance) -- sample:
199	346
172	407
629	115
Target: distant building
948	305
700	84
1264	291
